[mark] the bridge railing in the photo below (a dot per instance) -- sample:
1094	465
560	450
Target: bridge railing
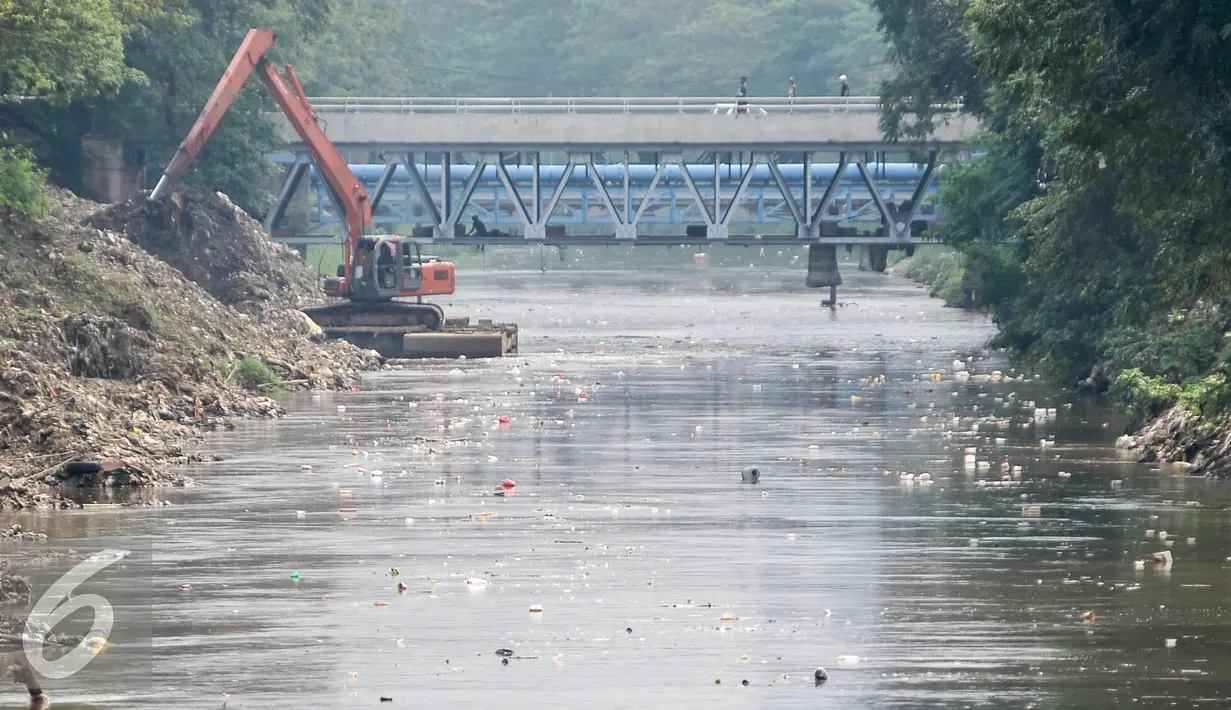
596	104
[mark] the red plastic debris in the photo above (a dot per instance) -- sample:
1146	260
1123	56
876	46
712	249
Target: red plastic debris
508	483
504	419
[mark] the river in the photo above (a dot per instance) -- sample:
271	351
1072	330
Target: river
664	581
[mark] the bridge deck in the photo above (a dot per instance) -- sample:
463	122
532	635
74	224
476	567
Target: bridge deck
658	124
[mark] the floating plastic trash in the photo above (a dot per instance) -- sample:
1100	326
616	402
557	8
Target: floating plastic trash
1170	643
295	576
477	582
846	660
536	608
301	514
751	474
306	467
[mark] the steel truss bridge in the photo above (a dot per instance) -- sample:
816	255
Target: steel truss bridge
536	172
760	213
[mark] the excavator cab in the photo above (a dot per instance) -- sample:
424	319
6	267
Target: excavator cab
379	270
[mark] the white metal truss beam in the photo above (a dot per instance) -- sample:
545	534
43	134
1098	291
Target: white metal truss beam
692	186
649	193
921	189
425	195
830	189
386	177
557	193
788	199
892	226
739	190
587	159
509	185
455	215
290	184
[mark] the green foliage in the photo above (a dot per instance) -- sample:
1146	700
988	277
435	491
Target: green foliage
927	48
60	51
1092	229
22	182
942	270
1146	397
155	66
253	373
1143	397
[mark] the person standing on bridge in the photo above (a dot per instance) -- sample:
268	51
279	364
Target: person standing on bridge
790	94
844	89
742	103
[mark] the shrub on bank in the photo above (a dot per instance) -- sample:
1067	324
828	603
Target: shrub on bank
22	182
941	270
1145	398
253	373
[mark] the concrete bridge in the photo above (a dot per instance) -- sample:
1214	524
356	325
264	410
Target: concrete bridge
579	125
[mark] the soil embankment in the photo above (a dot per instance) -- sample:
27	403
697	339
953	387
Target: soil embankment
126	330
1179	436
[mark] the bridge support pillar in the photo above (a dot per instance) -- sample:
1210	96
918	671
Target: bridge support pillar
873	257
823	266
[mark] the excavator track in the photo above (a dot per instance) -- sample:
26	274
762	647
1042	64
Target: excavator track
377	325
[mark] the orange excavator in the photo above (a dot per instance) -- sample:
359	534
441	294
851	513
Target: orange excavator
376	268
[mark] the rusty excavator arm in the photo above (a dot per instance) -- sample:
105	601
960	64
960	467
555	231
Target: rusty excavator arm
251	56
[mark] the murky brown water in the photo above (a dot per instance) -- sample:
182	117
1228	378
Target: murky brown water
629	520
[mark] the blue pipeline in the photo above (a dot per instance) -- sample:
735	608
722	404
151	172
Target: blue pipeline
549	175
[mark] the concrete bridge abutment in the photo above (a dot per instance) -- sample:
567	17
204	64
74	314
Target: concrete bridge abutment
873	257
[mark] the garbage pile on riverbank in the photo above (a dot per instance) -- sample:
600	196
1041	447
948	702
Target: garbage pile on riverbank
217	245
110	354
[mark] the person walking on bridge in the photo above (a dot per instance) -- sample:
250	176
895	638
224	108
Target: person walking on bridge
742	103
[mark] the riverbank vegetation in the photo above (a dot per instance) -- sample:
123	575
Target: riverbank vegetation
942	270
1092	230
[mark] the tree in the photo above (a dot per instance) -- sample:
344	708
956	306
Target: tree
59	51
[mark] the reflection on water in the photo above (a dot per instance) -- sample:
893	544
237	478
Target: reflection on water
637	401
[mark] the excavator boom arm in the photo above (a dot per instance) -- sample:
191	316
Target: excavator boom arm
252	51
249	58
